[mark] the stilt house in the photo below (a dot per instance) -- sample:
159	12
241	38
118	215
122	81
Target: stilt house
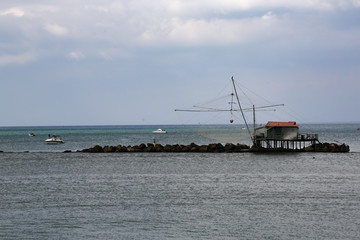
283	135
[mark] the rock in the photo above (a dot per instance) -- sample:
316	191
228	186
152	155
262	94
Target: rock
192	147
131	149
344	148
139	148
327	147
142	147
185	148
203	148
243	146
158	148
229	147
309	148
109	149
212	147
96	149
120	148
150	147
219	148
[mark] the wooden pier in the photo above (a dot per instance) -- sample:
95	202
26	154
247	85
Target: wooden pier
297	143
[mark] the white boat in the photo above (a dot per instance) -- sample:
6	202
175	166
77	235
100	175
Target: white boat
54	140
31	134
160	131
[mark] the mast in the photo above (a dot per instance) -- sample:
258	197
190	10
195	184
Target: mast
254	120
242	113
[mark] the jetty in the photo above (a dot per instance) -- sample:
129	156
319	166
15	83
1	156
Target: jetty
214	148
273	137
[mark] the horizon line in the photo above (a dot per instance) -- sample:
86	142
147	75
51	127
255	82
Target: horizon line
163	124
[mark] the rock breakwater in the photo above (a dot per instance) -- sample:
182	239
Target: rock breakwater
328	147
213	148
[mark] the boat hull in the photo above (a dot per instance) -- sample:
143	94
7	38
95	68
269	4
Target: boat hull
160	131
54	140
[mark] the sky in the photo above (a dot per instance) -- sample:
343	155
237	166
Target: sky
106	62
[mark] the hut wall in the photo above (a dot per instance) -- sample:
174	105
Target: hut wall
282	133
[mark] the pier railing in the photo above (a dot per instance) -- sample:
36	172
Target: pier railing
299	137
308	136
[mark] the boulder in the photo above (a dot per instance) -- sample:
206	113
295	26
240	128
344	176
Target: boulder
219	148
229	147
203	148
120	148
96	149
212	147
167	148
158	148
185	148
150	147
327	147
109	149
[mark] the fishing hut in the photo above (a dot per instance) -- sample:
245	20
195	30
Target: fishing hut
282	135
274	136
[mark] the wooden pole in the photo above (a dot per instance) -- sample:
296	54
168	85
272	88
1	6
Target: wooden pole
242	113
254	119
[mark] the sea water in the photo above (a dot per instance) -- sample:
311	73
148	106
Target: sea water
48	194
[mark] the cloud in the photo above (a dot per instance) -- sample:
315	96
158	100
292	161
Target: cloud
56	29
102	28
204	7
17	59
212	31
356	3
178	43
13	11
76	55
245	5
97	8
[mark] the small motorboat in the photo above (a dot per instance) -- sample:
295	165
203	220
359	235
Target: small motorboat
54	140
160	131
31	134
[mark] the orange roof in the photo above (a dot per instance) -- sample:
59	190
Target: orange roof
281	124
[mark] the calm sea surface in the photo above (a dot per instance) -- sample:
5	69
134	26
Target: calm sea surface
48	194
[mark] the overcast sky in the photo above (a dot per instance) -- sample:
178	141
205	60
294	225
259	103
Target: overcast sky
75	62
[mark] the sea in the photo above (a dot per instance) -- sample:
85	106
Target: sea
54	192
